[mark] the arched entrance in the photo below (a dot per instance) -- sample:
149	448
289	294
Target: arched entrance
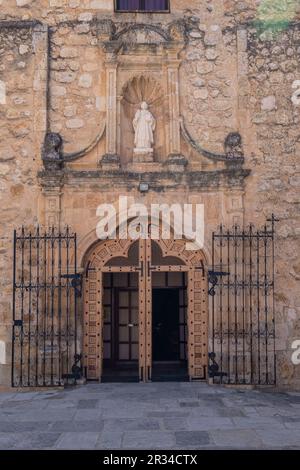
145	308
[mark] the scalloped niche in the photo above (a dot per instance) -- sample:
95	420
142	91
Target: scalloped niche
142	88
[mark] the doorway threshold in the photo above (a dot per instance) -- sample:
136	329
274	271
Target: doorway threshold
165	371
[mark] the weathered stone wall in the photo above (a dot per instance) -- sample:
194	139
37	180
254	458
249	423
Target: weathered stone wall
275	180
23	70
234	76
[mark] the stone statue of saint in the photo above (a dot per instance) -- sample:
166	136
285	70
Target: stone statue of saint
144	125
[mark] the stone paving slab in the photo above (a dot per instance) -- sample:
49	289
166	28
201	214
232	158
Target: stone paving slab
19	426
87	415
278	438
110	440
87	404
78	440
37	440
131	424
78	426
192	438
258	422
148	440
237	438
175	424
168	414
208	423
124	411
8	440
150	416
46	415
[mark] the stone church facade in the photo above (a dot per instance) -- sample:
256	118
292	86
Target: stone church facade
220	79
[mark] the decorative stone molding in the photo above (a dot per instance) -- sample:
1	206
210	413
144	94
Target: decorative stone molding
150	90
52	206
160	177
152	30
70	157
177	30
105	29
176	163
111	103
52	152
233	147
110	162
125	47
50	178
51	181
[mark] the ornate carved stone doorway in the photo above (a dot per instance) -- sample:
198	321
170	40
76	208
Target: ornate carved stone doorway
143	262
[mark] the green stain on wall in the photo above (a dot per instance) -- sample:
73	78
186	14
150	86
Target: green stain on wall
274	16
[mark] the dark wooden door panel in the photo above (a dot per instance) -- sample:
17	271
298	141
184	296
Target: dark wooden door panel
126	321
166	331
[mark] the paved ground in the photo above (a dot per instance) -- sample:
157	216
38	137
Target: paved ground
150	416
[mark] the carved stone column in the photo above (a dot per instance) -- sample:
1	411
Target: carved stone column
52	206
234	209
111	65
52	190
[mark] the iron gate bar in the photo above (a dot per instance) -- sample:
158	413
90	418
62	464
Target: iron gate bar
44	328
243	316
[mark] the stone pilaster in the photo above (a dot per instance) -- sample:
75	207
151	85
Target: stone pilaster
111	104
51	204
174	112
234	210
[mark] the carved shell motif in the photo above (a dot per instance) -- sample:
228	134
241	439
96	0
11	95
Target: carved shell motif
142	88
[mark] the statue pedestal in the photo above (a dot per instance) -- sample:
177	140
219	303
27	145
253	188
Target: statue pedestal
145	167
110	162
143	156
176	163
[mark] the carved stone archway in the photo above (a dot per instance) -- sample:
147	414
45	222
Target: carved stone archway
190	262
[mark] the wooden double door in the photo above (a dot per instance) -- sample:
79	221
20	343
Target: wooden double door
121	326
145	302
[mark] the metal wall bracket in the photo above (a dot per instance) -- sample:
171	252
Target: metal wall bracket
213	280
76	282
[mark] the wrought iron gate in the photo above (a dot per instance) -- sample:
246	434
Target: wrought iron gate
242	327
45	291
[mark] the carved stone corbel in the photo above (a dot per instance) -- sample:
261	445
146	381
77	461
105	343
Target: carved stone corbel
176	163
52	151
233	146
110	162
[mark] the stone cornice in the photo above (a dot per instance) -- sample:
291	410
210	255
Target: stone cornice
158	181
20	24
